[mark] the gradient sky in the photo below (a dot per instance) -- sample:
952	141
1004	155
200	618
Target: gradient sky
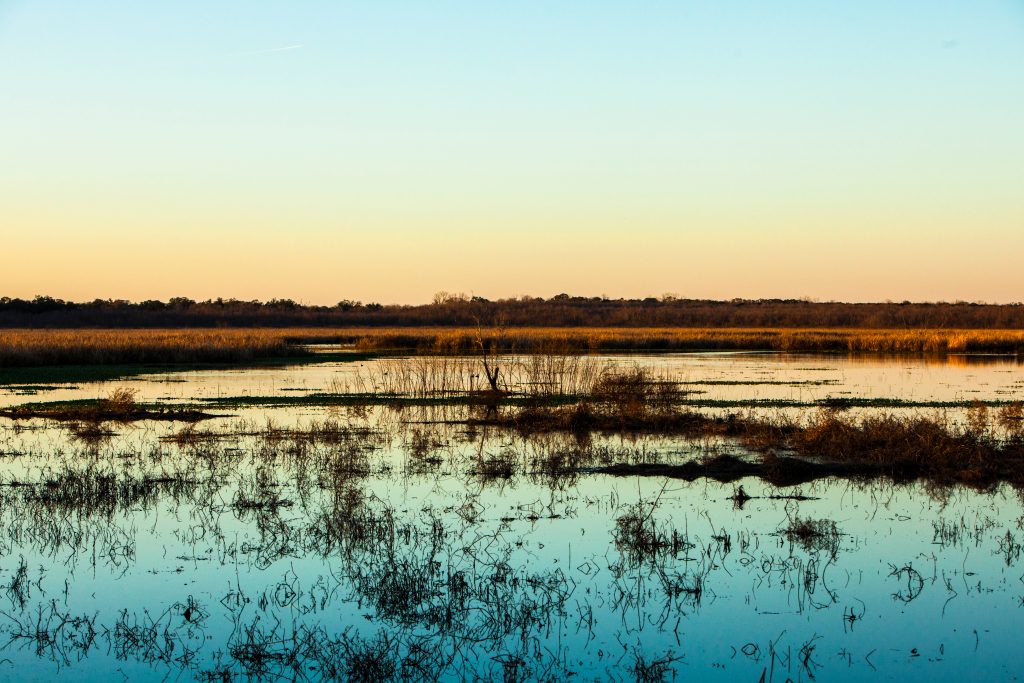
384	150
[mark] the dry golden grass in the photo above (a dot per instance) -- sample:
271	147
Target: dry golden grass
534	339
21	347
30	347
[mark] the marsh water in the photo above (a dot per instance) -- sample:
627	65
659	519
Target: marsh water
302	540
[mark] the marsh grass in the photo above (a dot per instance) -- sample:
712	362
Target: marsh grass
434	377
38	348
911	446
826	442
21	347
540	340
90	492
984	448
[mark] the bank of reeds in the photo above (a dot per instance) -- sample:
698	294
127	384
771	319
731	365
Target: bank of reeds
36	348
556	340
46	347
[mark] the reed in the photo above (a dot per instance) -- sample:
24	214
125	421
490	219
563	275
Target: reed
427	377
47	347
27	348
559	340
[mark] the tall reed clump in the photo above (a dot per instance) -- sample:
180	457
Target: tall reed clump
556	371
618	399
634	393
121	400
42	347
547	375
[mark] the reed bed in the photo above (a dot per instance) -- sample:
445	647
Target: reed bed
25	348
555	340
45	347
422	377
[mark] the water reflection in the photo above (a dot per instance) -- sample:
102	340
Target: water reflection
357	549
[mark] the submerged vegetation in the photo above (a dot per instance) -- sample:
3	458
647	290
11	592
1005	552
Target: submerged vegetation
566	339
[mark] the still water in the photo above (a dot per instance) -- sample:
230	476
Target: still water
374	547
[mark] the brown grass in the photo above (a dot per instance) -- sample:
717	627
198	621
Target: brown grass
29	347
554	340
19	348
903	447
908	447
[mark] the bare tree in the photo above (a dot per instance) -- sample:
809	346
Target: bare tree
486	349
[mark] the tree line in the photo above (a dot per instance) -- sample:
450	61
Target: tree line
562	310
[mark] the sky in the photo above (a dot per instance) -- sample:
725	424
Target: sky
386	150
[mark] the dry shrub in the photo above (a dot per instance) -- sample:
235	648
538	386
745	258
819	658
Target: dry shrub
634	393
39	347
1011	417
907	446
121	400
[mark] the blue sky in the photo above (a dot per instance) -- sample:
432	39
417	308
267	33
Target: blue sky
386	150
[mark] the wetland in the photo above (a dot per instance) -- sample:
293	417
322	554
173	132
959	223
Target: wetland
756	516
